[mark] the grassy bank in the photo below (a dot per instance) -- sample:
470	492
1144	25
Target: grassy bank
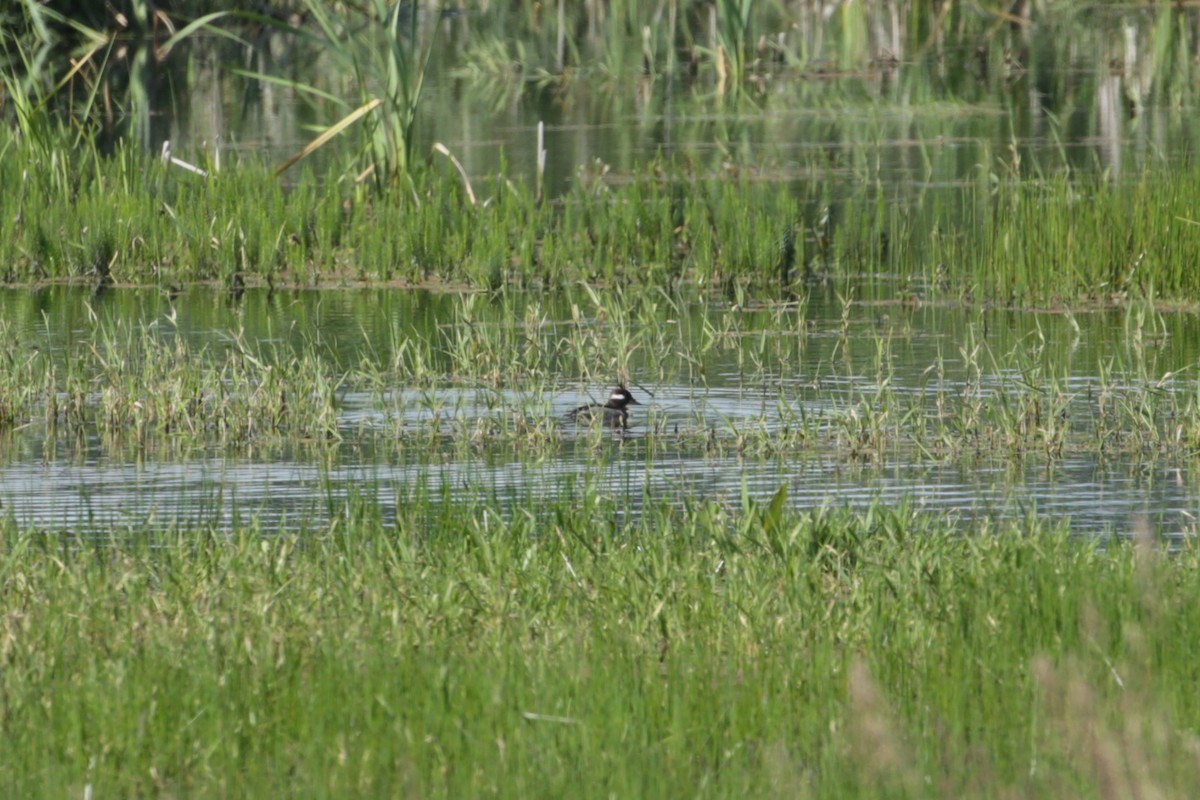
701	651
76	215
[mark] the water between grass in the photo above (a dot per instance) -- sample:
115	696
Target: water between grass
1081	418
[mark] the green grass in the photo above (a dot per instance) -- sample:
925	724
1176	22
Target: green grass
467	651
598	646
75	215
149	388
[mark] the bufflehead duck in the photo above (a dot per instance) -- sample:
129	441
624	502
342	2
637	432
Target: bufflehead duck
613	414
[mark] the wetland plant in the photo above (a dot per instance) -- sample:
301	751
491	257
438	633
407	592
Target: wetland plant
481	379
735	38
145	385
386	50
839	654
73	211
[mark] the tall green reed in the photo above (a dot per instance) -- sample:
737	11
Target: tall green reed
735	38
58	65
386	51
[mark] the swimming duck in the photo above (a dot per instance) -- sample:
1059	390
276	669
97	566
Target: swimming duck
614	413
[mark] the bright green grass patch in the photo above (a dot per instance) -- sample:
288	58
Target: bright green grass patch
468	651
76	215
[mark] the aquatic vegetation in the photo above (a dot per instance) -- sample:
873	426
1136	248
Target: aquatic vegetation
128	220
387	52
499	376
915	189
150	387
634	623
736	36
67	68
758	651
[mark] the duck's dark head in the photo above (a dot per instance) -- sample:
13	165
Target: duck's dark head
620	398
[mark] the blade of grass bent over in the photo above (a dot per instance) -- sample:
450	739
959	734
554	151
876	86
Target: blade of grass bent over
330	132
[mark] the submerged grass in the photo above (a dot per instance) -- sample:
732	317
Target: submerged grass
150	388
466	650
497	374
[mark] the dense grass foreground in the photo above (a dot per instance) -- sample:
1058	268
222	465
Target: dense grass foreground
701	652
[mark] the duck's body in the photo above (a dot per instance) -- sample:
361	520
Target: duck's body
613	414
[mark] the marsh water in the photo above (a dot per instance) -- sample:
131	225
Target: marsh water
681	447
1113	95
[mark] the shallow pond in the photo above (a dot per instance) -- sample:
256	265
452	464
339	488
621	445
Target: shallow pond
847	403
851	398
